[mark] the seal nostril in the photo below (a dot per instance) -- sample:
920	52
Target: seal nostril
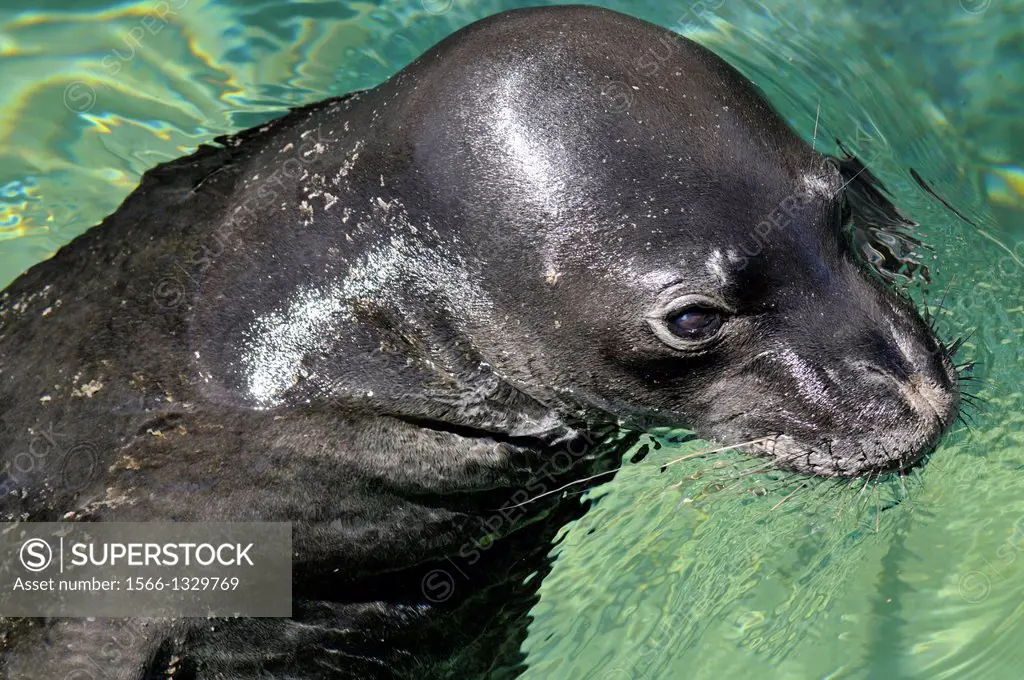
888	358
875	370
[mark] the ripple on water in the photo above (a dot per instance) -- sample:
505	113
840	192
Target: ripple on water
714	568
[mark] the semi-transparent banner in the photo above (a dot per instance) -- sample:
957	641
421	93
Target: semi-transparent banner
140	569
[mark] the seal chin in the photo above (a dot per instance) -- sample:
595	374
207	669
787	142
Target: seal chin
904	426
846	457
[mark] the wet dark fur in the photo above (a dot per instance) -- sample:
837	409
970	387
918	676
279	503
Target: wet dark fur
418	408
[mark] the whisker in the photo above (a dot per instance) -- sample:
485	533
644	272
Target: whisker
878	507
979	383
975	409
787	497
903	483
814	135
866	481
942	301
975	381
696	454
740	478
974	399
757	470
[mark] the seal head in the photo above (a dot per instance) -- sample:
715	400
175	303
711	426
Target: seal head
645	245
651	282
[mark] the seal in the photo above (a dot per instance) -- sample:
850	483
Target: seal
383	316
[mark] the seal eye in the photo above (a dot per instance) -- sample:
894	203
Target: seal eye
695	323
688	321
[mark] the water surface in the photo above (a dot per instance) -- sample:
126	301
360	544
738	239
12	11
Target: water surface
702	571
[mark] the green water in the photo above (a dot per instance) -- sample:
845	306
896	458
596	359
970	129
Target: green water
696	572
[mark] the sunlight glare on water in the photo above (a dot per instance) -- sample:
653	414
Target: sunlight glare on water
715	567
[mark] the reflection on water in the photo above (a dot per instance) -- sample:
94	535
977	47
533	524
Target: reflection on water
715	567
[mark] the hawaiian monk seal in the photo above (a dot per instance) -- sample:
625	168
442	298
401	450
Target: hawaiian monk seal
381	316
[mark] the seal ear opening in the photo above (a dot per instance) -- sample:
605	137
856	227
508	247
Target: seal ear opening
880	233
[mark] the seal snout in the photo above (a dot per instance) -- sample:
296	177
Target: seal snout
919	372
885	409
864	388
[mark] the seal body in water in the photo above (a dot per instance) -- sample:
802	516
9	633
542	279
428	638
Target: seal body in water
385	315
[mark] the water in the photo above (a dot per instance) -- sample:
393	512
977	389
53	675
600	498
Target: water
693	572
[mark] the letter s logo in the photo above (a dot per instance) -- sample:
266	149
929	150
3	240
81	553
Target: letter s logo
36	554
